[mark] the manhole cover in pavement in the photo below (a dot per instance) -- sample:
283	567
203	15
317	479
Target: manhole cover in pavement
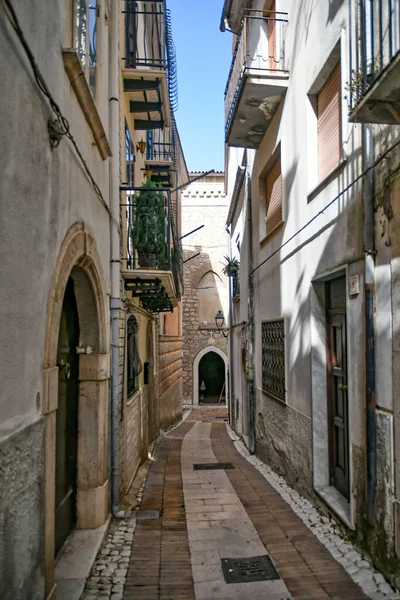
147	514
212	466
245	570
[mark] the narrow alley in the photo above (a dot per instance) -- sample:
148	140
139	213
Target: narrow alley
200	300
192	518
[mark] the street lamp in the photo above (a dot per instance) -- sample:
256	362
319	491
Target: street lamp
219	321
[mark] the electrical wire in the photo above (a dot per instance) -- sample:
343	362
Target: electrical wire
374	164
61	126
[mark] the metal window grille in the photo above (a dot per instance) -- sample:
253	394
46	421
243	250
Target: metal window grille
129	157
134	363
86	39
273	358
235	284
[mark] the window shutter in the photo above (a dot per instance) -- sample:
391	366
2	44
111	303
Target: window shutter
274	197
329	125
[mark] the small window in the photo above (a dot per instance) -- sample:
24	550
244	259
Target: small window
86	42
134	363
164	324
273	358
273	192
329	117
129	158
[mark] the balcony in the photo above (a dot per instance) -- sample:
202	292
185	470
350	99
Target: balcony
147	76
257	79
374	93
152	267
160	157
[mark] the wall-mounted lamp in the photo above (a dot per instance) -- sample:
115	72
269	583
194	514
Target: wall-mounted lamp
219	321
141	146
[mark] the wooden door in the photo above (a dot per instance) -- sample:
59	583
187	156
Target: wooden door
67	420
337	387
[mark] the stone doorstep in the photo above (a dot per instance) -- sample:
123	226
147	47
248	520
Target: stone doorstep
76	561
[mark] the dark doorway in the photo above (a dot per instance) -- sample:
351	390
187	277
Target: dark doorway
67	419
337	385
211	379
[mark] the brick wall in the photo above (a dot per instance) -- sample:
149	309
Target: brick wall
170	378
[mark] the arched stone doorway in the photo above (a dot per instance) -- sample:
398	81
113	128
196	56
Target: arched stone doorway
215	384
212	379
75	395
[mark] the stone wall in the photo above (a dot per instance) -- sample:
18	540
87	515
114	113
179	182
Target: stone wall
283	441
22	514
170	379
193	339
203	203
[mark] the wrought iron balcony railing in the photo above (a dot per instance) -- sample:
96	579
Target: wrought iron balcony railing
160	147
260	48
148	41
152	242
374	43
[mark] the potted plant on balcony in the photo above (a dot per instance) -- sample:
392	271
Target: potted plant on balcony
231	266
148	231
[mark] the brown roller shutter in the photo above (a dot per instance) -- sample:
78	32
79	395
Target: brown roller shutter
329	125
274	197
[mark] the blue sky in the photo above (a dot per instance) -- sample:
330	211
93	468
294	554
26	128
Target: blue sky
203	57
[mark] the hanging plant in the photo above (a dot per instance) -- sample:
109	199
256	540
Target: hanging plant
231	266
149	226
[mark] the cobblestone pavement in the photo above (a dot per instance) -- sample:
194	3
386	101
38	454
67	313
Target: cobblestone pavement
209	515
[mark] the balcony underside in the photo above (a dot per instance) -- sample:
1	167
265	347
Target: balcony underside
257	101
381	102
155	289
162	172
148	97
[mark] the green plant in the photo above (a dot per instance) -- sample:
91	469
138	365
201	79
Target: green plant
231	266
358	83
148	230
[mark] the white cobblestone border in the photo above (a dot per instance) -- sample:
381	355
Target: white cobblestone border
372	582
108	575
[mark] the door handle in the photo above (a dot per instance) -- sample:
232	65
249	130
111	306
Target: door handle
67	367
342	388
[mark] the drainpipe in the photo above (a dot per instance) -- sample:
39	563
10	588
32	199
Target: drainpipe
250	317
369	294
115	301
231	399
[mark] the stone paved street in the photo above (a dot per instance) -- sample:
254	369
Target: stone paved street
209	515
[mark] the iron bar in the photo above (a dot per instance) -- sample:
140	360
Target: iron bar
190	232
193	180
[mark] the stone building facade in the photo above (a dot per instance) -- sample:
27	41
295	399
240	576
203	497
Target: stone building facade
312	177
76	418
204	203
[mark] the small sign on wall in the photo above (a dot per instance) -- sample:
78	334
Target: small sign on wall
354	285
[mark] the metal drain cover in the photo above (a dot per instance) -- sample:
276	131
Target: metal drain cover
212	466
245	570
147	514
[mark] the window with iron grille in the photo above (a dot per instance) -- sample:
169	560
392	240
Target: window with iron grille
129	158
86	39
134	363
235	284
273	358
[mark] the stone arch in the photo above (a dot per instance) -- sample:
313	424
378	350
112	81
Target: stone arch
79	260
196	363
209	301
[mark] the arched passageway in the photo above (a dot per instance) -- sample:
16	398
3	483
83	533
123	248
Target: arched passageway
211	379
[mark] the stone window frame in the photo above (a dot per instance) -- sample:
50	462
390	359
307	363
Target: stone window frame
132	356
